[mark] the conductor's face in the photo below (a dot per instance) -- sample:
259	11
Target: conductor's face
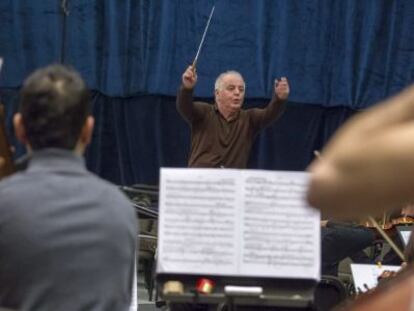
230	94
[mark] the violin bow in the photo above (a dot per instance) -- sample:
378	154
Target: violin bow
387	238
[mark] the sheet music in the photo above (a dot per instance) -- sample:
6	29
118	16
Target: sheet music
281	234
198	221
237	222
366	276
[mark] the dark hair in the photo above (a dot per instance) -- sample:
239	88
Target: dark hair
54	106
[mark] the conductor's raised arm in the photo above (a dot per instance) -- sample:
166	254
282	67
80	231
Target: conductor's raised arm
266	116
185	105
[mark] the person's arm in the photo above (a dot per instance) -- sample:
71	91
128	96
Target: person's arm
263	117
368	166
185	105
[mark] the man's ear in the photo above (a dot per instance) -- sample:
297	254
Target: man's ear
216	94
19	129
87	130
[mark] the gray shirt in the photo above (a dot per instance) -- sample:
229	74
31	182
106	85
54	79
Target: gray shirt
67	238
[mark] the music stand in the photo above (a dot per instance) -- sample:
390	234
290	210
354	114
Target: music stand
233	231
281	293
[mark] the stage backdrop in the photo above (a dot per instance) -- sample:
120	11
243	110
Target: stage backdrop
339	56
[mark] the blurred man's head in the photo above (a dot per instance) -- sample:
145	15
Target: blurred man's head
54	110
229	91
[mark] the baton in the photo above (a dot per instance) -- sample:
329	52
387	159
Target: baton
203	38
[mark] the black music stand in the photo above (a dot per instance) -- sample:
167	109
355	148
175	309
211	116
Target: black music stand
144	198
278	294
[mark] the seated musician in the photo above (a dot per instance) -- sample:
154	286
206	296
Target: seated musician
340	240
67	238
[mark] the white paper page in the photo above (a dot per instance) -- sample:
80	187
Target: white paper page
133	306
281	233
366	276
405	236
197	224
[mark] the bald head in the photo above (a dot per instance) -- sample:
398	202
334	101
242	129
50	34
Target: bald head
229	93
219	81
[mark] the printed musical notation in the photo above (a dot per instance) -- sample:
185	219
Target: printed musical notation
237	222
279	231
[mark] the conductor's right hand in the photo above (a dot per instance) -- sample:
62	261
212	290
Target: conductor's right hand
189	77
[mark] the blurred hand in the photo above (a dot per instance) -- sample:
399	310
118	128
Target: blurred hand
282	88
189	78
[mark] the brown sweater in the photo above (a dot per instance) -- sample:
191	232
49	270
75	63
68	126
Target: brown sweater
216	142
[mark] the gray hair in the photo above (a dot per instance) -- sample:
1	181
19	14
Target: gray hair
219	81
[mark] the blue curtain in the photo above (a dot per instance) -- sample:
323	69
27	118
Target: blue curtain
30	37
335	53
340	56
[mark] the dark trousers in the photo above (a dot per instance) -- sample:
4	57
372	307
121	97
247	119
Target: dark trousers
342	240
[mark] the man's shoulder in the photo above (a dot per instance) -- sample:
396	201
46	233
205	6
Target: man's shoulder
107	188
203	105
12	184
24	184
203	111
17	192
114	202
